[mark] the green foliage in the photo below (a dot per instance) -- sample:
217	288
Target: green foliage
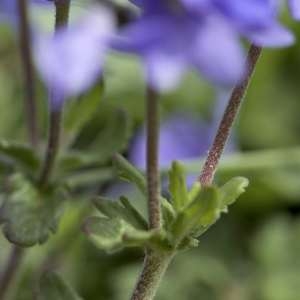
129	173
123	209
21	155
177	185
52	286
188	214
113	234
28	215
82	110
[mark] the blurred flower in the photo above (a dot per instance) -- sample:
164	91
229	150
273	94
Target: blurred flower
295	8
255	19
71	60
171	41
172	36
182	136
9	10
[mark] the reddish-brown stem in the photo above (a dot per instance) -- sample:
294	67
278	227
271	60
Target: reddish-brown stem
231	111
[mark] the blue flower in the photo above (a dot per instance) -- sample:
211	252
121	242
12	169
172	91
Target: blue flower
71	60
9	10
173	36
294	6
256	20
182	136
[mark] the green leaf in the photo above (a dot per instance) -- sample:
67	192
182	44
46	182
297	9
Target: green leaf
194	191
52	286
20	154
81	111
128	172
29	216
232	190
177	186
123	209
89	177
114	136
76	160
114	234
202	212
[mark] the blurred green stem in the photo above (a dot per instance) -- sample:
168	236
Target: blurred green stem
61	19
55	121
230	114
10	270
28	71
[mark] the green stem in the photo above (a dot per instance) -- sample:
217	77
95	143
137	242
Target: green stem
28	71
62	8
230	114
61	20
155	266
52	147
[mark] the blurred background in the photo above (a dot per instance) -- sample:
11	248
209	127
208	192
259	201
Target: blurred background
251	253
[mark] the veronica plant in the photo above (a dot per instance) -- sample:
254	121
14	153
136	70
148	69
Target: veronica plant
170	37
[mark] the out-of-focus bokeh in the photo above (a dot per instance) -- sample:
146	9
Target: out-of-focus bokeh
252	253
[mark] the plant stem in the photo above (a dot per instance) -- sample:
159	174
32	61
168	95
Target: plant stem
152	124
52	147
10	270
230	114
56	112
17	253
61	19
62	8
155	266
28	71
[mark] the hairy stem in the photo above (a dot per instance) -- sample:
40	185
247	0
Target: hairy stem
152	124
28	71
56	106
155	266
10	270
231	111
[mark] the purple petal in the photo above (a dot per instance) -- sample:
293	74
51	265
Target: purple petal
72	59
272	36
295	8
181	137
164	71
225	66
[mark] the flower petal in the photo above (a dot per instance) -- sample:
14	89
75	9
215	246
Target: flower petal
221	65
271	36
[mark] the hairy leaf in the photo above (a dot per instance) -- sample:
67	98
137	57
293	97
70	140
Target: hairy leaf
29	216
177	186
